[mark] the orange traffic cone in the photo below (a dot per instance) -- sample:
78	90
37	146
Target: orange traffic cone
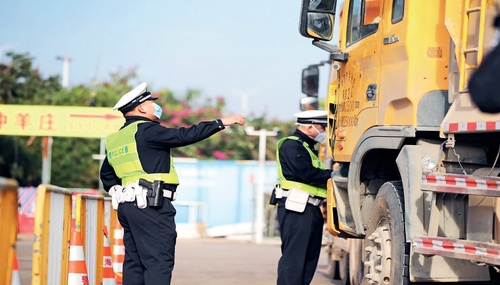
118	252
108	276
77	269
16	278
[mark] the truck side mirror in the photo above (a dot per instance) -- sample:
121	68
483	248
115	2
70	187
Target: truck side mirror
310	81
317	19
308	103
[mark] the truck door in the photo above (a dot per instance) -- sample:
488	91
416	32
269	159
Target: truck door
357	107
394	62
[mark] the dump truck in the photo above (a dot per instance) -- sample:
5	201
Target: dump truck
416	196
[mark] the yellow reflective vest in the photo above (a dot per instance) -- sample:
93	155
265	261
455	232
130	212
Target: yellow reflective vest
123	157
288	184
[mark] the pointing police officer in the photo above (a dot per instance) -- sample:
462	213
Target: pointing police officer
138	172
302	187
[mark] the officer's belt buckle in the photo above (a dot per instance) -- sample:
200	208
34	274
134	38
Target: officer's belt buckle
169	194
312	200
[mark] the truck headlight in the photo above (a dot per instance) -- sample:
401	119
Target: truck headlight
428	163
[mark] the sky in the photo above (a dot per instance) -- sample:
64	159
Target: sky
249	52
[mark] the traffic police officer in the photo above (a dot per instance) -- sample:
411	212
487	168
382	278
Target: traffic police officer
302	187
139	174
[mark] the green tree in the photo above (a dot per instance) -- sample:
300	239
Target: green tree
189	110
72	163
21	84
20	159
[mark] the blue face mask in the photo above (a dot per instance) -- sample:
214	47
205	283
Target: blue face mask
158	110
321	137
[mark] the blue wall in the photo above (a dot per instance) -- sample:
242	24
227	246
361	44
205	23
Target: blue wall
226	189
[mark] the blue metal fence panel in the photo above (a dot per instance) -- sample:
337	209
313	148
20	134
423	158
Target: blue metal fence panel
226	188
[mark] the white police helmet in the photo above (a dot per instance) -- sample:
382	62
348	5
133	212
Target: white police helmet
318	117
133	98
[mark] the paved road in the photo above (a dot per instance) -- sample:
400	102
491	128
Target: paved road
208	262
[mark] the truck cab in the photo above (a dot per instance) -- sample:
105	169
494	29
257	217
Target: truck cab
415	151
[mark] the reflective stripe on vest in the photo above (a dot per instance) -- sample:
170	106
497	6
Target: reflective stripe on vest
123	157
287	184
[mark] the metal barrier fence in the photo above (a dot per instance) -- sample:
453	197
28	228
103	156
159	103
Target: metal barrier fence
58	213
8	227
52	249
52	235
90	223
190	219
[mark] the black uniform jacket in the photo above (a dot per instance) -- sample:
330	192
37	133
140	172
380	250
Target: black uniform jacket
296	162
154	142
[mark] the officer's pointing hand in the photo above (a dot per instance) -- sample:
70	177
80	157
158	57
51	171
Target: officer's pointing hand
233	119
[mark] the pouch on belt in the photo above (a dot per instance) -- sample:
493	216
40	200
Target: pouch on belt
296	200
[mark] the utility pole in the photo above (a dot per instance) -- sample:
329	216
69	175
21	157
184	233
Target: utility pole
259	199
47	141
65	72
46	159
101	156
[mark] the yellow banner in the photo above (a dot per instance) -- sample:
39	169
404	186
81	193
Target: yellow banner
59	121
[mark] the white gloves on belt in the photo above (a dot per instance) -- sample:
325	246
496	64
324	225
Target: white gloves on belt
117	193
120	194
140	194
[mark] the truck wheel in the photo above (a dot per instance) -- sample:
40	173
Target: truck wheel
386	253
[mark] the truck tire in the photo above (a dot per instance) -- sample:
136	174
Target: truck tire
386	253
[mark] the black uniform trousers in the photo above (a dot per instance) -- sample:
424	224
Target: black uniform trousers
301	235
149	238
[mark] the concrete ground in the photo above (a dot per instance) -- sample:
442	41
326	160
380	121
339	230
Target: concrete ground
208	261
